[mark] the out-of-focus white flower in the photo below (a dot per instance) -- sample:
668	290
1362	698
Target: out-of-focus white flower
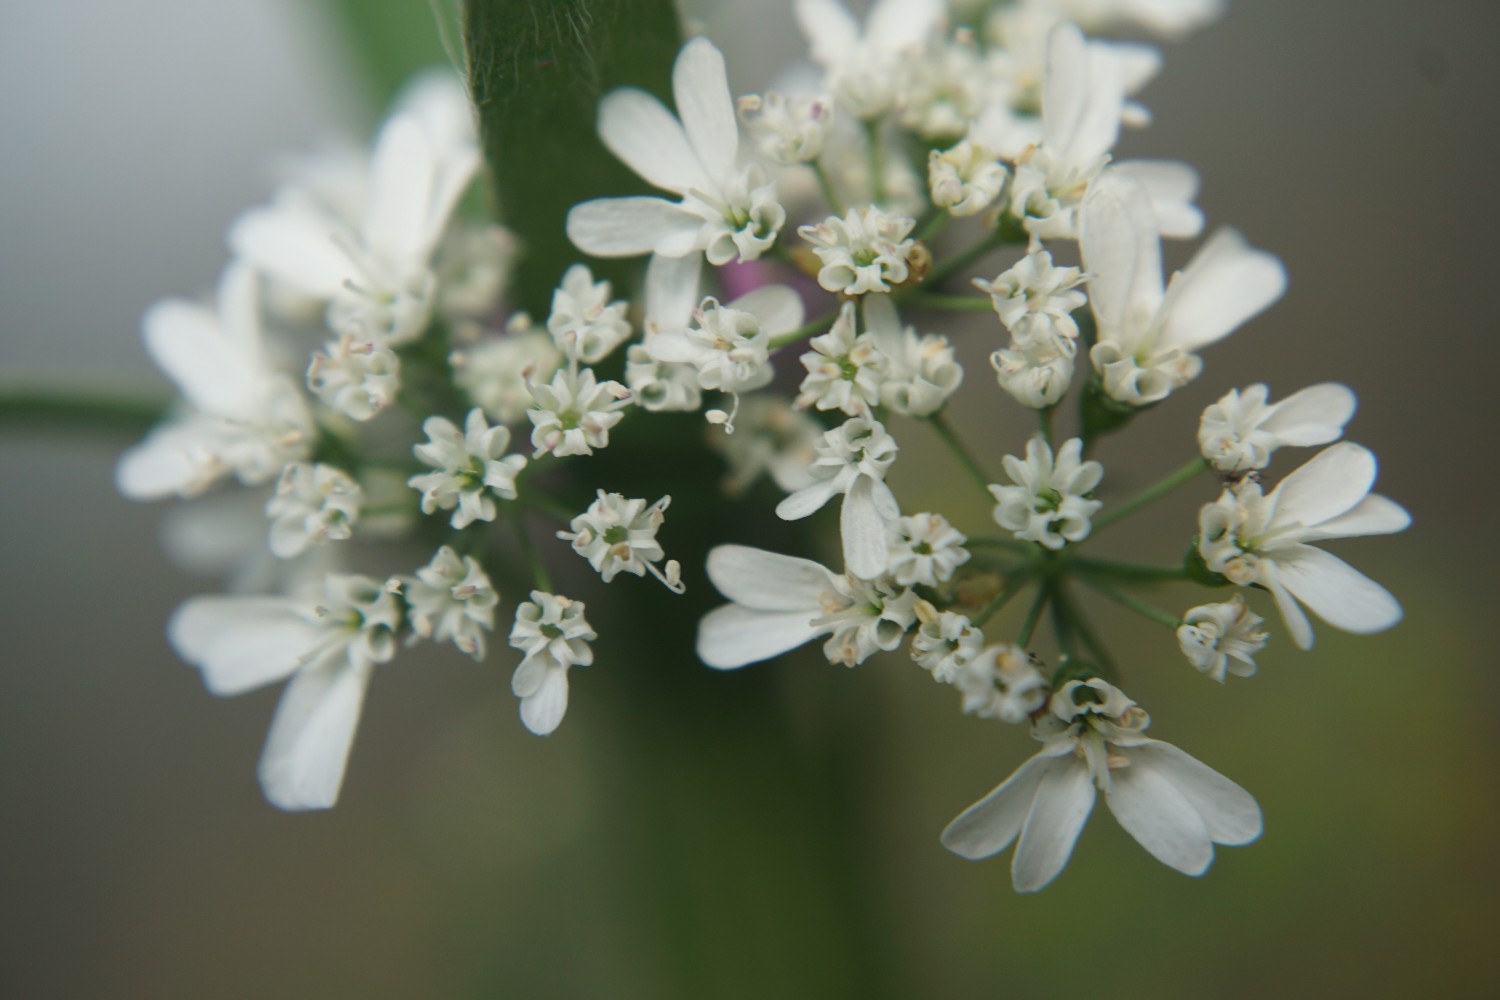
1175	806
1002	682
451	598
242	418
584	323
1168	18
358	378
551	630
1223	638
861	65
473	267
312	503
726	211
572	414
1147	334
1049	503
618	535
496	371
772	438
328	648
852	459
944	643
866	250
925	549
787	130
1259	539
845	369
919	373
943	86
1242	430
471	468
966	179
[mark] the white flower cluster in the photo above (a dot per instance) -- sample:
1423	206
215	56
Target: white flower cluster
873	201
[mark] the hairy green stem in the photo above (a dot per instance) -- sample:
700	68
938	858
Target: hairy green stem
1150	494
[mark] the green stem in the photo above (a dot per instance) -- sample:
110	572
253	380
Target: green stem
934	226
806	330
1079	624
825	184
1150	494
1128	571
946	432
64	410
877	167
544	504
1044	423
528	551
1009	544
965	303
1134	603
1034	615
1015	586
964	258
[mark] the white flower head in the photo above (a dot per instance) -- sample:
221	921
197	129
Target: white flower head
1148	334
852	459
925	549
618	535
573	413
551	630
1034	288
1256	539
585	325
661	386
966	179
862	64
312	503
451	599
358	378
1241	431
1049	502
1002	682
866	250
773	438
917	374
328	649
1221	639
845	369
864	617
496	371
1036	374
726	211
1174	806
471	468
787	130
943	87
944	643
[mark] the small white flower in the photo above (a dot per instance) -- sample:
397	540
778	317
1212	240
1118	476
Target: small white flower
1147	334
781	602
1034	288
312	503
919	373
472	468
966	179
584	323
1002	682
845	370
1174	806
572	414
496	371
1253	539
862	64
618	535
1222	639
730	345
925	549
852	459
865	251
1241	431
359	378
943	87
1036	374
944	643
328	649
1049	503
787	130
772	438
660	386
551	630
451	598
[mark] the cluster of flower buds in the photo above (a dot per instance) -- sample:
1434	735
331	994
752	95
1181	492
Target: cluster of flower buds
940	166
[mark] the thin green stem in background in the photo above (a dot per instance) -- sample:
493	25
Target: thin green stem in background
934	225
1078	624
817	325
825	184
1134	603
1128	571
964	258
68	410
963	303
528	551
1034	615
1016	584
1044	423
1150	494
946	432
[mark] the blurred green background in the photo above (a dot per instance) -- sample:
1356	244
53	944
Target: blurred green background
772	832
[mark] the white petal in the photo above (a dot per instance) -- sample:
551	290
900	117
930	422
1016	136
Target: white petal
1082	97
1172	186
1161	820
641	131
1335	591
806	501
778	307
700	87
1064	799
831	30
673	346
161	465
293	247
1230	813
672	290
1325	486
401	184
898	24
1121	252
1315	415
1374	515
863	530
542	711
628	227
240	643
1291	612
732	636
529	675
1225	284
768	581
989	825
212	371
302	766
